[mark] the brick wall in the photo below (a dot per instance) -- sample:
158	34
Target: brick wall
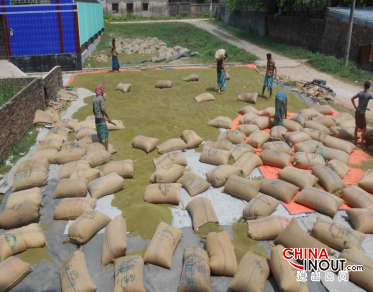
52	82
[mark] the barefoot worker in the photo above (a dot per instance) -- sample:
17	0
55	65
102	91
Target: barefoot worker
99	112
268	79
114	56
281	104
221	73
360	120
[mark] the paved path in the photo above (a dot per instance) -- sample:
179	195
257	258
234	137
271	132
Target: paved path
7	69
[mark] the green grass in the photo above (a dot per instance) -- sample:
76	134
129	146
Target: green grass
8	88
131	17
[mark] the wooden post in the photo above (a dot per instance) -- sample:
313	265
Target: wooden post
349	32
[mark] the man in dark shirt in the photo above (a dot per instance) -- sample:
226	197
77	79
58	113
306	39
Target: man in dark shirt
360	119
100	113
268	78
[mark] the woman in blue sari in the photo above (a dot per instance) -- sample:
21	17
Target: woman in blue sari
281	104
221	73
114	56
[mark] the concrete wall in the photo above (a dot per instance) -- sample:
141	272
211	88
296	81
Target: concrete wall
191	9
52	82
157	8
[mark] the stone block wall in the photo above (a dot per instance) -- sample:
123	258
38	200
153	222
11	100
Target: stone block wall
52	82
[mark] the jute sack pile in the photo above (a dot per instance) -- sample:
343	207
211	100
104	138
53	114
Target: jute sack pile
296	137
86	226
124	168
323	109
50	144
90	139
27	197
220	122
339	167
30	179
202	212
173	157
167	174
163	84
204	97
106	185
12	271
247	129
263	122
249	97
67	123
316	126
67	169
339	144
344	133
54	136
172	145
19	215
85	132
296	123
146	144
219	175
193	183
84	125
191	77
42	118
70	155
267	228
342	117
21	239
258	138
366	183
240	149
247	162
215	156
279	189
99	146
330	154
114	243
72	208
235	136
336	235
74	273
129	265
363	278
73	145
247	118
60	131
357	197
299	119
278	146
88	174
97	158
163	245
195	275
294	237
307	146
361	219
328	178
242	188
269	112
252	273
259	207
49	154
123	87
70	188
346	124
220	54
297	177
315	135
191	138
310	113
163	193
222	259
307	160
285	275
327	122
223	144
277	133
275	158
248	109
319	200
32	164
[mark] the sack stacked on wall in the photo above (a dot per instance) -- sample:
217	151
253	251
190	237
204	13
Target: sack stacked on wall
124	168
30	179
163	193
259	207
42	118
106	185
133	266
114	243
202	212
71	187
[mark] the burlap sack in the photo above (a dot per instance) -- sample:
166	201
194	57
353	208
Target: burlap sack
340	144
88	174
172	145
339	167
242	188
70	188
278	189
278	146
258	138
129	274
366	183
315	135
49	154
72	208
67	123
191	77
269	112
73	145
195	275
163	245
297	177
296	137
328	178
202	212
163	193
240	149
275	158
42	118
32	164
173	157
163	84
336	235
344	133
220	122
146	144
19	215
247	162
193	183
267	228
235	136
294	237
307	146
363	278
327	122
361	219
249	97
27	197
124	168
67	169
105	185
114	243
342	117
89	139
85	132
227	76
97	158
123	87
60	131
259	207
319	200
100	146
262	122
70	155
307	160
248	109
316	126
54	136
191	138
323	109
277	133
50	144
222	144
84	125
291	125
300	119
12	271
247	118
204	97
220	54
74	274
222	259
215	156
284	274
167	174
30	179
310	113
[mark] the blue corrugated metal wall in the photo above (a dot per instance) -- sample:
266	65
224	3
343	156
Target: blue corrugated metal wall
91	20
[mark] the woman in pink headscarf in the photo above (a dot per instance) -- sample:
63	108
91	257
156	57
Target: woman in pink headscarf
100	113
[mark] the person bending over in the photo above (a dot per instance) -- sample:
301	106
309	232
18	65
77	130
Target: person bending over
281	104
